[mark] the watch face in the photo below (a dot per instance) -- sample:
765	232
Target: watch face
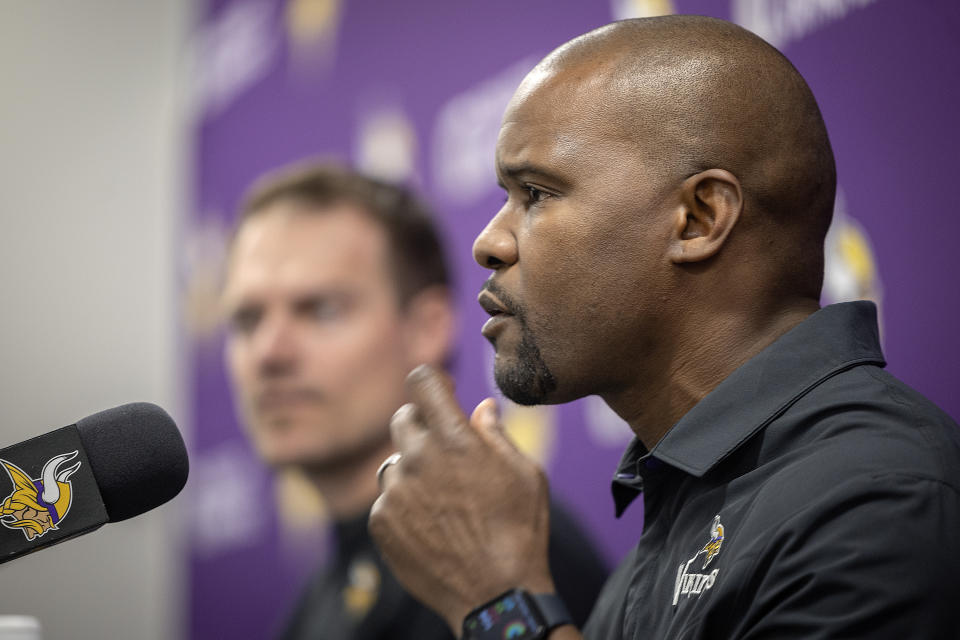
509	617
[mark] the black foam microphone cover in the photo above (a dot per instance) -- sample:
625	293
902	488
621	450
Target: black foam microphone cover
137	457
107	467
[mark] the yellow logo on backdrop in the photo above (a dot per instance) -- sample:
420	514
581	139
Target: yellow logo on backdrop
850	265
531	429
313	27
299	504
310	21
624	9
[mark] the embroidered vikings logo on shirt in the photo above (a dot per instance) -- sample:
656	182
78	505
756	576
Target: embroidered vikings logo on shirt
712	548
38	506
693	584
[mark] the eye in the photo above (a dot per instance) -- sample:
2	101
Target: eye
535	195
321	309
244	320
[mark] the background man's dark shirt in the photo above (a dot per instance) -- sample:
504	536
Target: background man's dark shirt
355	596
810	495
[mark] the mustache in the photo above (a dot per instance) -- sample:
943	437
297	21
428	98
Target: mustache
510	304
273	395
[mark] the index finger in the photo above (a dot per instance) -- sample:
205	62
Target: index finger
432	391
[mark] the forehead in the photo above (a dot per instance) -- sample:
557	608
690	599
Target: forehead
570	118
290	246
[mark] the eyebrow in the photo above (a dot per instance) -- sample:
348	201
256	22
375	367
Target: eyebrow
525	169
298	296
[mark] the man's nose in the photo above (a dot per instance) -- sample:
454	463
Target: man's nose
496	246
276	346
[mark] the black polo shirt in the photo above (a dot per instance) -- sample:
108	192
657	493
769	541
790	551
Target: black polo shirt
809	495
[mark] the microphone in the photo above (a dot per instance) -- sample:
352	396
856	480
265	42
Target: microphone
108	467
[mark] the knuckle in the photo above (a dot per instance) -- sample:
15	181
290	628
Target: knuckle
420	375
376	525
462	440
533	473
410	462
404	414
376	512
539	473
378	522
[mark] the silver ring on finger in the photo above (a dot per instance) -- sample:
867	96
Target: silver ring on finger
392	459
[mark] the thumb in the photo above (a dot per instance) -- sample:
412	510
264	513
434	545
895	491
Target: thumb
486	418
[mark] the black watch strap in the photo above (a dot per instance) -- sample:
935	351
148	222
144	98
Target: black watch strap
552	609
516	614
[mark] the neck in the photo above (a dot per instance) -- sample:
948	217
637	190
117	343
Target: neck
350	490
713	349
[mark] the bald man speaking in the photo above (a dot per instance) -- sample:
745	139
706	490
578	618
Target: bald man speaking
669	185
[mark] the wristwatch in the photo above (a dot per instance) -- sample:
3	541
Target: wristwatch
516	615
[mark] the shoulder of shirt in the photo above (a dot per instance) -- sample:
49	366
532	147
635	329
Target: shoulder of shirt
863	432
864	420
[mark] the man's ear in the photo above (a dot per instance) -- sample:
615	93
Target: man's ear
429	327
710	205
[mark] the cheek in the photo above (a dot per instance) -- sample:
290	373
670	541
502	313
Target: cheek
237	360
573	275
594	287
369	385
362	353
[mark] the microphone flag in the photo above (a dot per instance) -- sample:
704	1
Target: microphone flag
48	493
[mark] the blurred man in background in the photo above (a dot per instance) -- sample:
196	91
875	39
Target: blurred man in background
336	288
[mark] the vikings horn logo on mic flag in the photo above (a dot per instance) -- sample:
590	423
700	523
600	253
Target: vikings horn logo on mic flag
39	505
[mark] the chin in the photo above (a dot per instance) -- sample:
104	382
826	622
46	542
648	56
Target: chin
525	385
281	459
301	461
280	452
524	377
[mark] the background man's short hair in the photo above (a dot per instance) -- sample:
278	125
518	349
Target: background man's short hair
416	253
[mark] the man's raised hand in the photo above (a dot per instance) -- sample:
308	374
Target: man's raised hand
463	515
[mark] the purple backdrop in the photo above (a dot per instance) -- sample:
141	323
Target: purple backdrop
414	92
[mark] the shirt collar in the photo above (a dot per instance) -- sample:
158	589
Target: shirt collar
833	339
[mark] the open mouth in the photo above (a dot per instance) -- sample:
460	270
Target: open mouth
498	314
491	304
